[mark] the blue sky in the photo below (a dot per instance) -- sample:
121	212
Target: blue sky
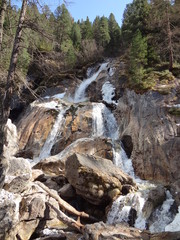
80	9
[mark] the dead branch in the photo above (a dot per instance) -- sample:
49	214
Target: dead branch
67	220
61	202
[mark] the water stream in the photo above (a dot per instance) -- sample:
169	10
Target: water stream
80	95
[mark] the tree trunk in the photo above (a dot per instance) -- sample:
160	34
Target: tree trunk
2	16
6	103
169	35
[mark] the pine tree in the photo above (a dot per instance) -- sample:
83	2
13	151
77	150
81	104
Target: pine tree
76	35
96	33
138	58
63	24
115	35
104	32
135	17
86	29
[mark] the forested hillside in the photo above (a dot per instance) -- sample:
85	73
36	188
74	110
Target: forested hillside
149	36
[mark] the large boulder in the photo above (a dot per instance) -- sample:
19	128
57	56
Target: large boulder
54	165
96	179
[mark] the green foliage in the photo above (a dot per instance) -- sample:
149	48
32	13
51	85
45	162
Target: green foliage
138	58
104	32
24	60
115	35
86	29
76	35
63	24
135	17
96	33
174	111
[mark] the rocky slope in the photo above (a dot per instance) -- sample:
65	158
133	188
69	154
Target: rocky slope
62	163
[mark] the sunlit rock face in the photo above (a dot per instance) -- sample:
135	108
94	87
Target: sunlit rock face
154	136
33	130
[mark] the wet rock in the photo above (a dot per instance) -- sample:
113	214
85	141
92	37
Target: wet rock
78	124
155	198
95	179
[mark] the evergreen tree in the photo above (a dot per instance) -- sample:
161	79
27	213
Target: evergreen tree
162	30
76	35
104	32
115	34
63	24
96	33
138	58
135	17
86	29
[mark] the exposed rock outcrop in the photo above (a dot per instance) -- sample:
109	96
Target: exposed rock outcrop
33	130
101	231
153	131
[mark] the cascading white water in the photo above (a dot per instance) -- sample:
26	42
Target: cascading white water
80	91
162	215
46	149
121	160
104	122
98	122
120	210
122	206
108	92
175	224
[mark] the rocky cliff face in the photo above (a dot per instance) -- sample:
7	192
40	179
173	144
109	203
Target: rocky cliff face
150	135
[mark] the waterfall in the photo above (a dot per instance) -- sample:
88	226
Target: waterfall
98	121
121	210
80	91
121	160
122	206
55	131
174	225
108	92
46	149
104	122
162	215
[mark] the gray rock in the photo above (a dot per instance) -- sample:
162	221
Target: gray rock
95	179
